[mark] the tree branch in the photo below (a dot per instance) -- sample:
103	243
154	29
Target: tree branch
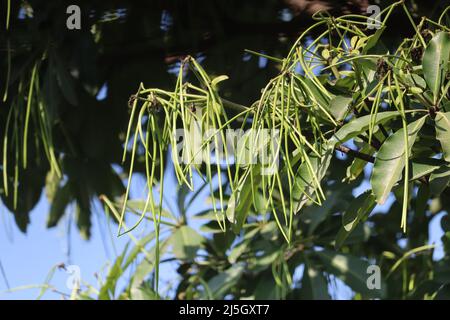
371	159
355	154
375	143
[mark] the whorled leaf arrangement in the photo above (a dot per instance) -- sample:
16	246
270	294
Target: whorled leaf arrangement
332	91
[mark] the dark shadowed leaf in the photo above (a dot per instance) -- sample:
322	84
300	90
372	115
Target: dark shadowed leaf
314	283
439	180
352	270
185	242
358	211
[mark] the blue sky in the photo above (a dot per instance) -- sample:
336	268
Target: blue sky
28	258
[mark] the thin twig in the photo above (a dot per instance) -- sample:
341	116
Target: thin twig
375	143
355	154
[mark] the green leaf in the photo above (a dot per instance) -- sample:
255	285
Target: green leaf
51	185
261	204
64	78
439	180
313	216
266	288
415	81
358	210
241	200
422	167
360	125
147	265
352	270
83	216
373	40
211	227
107	291
442	122
220	284
390	160
346	83
304	184
120	266
231	208
144	292
314	283
138	206
266	260
358	165
31	180
316	94
339	106
185	241
242	246
138	248
359	235
238	250
60	201
435	62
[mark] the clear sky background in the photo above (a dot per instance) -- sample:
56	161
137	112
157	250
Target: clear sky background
27	259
